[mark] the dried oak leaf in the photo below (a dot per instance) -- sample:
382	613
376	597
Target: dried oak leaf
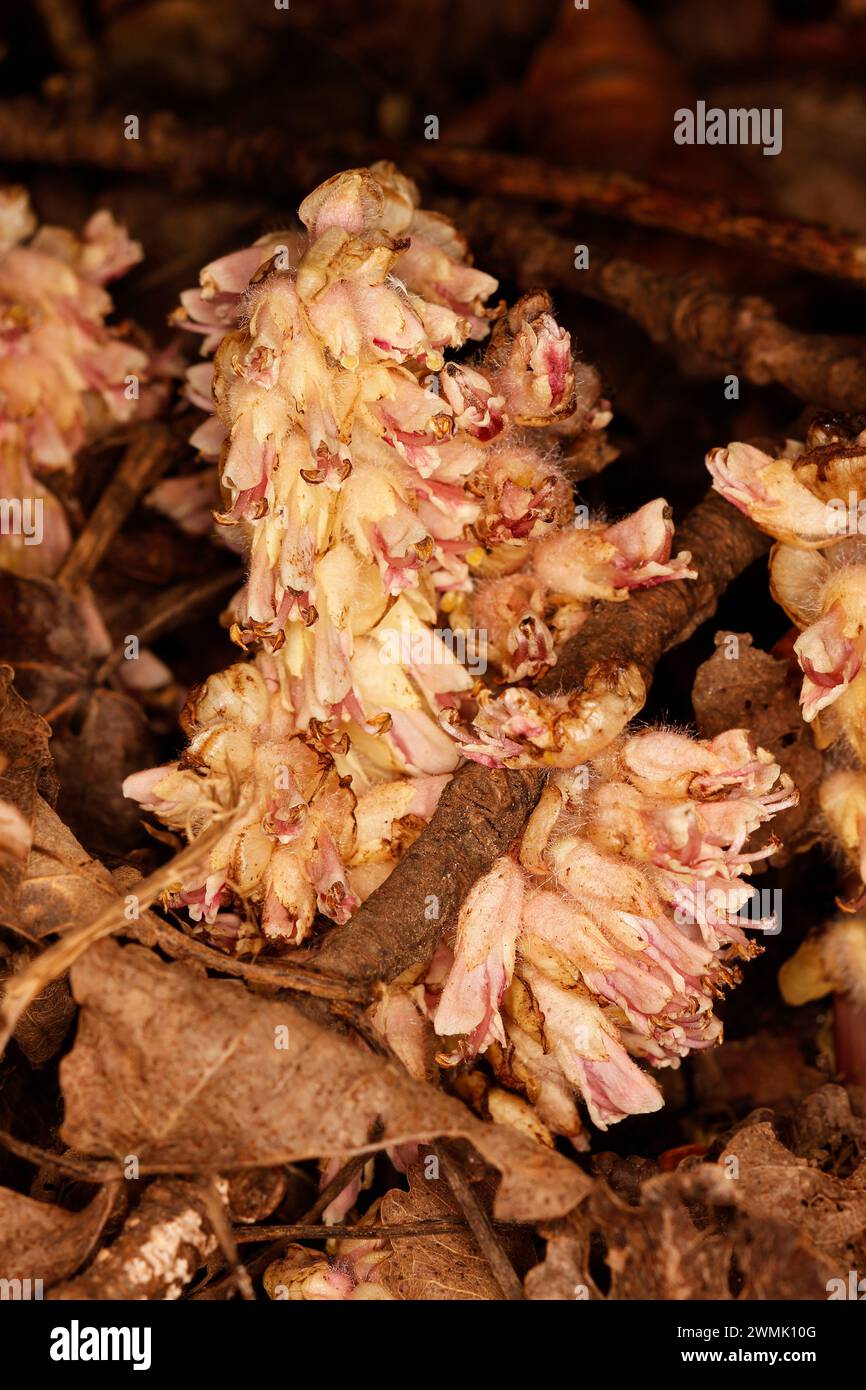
40	1241
829	1212
448	1266
42	1028
752	689
62	887
761	1222
178	1068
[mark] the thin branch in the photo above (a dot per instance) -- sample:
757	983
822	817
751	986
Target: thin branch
437	1226
224	1234
478	1221
310	1217
341	1180
710	331
95	1170
281	974
152	448
173	607
30	132
694	214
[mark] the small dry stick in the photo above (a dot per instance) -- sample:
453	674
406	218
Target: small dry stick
30	132
152	448
436	1226
340	1180
224	1234
172	609
282	974
95	1170
711	331
479	1222
309	1218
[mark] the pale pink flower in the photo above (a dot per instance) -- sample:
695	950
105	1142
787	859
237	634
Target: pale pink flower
629	920
487	930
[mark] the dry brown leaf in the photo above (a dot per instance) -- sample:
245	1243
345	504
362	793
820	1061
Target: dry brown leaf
688	1239
63	886
829	1211
42	634
447	1266
108	739
198	1074
762	1222
43	1027
99	736
39	1241
22	988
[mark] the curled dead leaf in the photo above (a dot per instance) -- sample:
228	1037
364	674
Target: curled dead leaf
192	1073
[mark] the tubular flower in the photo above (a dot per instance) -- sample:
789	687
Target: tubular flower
346	1274
803	496
520	728
834	962
812	500
64	374
843	803
287	851
612	936
301	829
526	613
825	595
349	445
373	485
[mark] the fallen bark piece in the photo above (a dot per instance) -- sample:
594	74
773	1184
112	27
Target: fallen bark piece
163	1243
195	1074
